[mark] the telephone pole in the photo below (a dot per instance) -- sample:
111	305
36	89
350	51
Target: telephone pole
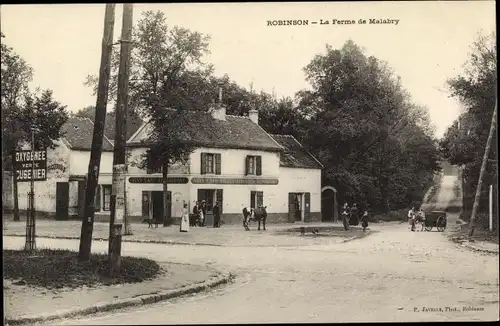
100	116
119	155
481	173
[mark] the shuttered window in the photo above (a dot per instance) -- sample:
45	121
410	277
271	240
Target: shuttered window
97	199
220	199
145	204
210	163
106	197
307	208
253	165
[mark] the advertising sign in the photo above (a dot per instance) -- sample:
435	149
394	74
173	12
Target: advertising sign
24	165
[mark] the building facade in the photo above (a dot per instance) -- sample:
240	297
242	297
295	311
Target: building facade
61	195
237	164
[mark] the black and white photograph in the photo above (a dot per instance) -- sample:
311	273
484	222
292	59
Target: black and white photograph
249	162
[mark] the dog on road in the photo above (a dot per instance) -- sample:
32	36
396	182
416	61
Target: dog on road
150	222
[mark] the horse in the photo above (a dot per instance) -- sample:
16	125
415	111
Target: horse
254	214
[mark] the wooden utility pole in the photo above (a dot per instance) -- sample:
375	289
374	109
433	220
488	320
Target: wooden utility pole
481	173
119	155
100	116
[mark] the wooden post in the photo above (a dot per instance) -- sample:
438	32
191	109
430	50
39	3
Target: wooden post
481	173
100	116
491	208
119	156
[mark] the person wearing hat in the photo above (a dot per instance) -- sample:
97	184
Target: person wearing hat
354	218
216	211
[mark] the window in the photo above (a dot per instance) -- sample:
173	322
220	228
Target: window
253	165
154	164
210	163
209	167
106	197
256	199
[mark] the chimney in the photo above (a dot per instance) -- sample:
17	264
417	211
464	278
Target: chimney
219	110
254	116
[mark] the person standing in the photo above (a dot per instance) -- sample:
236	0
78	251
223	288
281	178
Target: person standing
196	214
185	219
354	219
216	212
411	218
203	212
364	220
345	217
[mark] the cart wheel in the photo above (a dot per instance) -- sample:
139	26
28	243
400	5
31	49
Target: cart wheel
440	224
428	228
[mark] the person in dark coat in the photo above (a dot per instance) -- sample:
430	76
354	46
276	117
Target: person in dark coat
354	219
216	212
364	220
196	214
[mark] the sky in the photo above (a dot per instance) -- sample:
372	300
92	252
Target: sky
429	44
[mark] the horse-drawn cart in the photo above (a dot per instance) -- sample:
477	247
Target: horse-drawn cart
435	219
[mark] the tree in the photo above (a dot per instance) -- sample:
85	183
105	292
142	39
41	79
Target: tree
464	141
167	79
357	121
16	74
45	115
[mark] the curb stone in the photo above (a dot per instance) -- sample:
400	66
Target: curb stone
470	246
123	240
474	248
123	303
162	242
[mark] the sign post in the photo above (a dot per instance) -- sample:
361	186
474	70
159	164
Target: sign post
31	165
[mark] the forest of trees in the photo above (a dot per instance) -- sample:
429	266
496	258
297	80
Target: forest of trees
464	141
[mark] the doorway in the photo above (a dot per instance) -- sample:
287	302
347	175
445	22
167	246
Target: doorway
327	205
62	200
157	205
295	207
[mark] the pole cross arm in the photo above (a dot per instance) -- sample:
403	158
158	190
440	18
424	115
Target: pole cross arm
125	41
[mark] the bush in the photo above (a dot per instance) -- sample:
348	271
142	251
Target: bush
60	268
398	215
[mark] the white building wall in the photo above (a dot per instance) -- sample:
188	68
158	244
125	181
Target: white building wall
233	162
235	197
58	170
302	181
79	162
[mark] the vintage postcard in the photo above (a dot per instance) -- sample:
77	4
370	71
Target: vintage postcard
259	162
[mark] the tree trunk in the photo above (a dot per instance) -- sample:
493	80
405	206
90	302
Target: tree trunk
15	191
475	207
126	221
167	219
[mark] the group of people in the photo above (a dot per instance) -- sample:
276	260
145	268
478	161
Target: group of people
200	213
414	217
350	216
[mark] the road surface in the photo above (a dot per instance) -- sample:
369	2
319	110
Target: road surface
391	275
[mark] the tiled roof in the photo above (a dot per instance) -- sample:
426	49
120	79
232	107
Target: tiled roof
78	133
295	155
235	132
